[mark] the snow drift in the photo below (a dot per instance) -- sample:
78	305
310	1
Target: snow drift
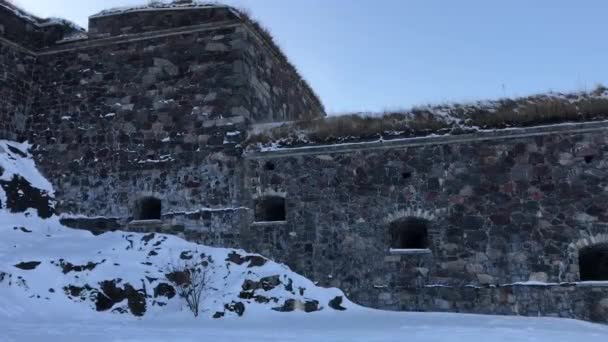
50	269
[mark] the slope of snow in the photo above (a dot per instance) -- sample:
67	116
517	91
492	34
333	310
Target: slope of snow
70	266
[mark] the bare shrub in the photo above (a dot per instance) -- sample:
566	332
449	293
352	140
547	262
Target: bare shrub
191	280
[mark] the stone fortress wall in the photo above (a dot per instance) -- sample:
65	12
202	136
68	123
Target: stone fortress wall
139	124
141	106
506	216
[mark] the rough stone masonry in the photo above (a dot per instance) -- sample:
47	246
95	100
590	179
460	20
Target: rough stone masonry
139	124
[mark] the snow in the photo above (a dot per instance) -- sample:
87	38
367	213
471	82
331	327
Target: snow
157	6
202	210
15	159
409	251
74	37
359	325
48	242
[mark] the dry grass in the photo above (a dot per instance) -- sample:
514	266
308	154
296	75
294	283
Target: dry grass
442	119
541	110
351	127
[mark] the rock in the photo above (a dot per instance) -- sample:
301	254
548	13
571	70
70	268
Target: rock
216	47
186	255
76	291
236	307
147	238
242	111
166	66
540	277
253	260
485	279
110	294
235	258
599	311
288	306
178	278
136	300
441	304
164	290
68	267
311	306
28	266
336	303
21	196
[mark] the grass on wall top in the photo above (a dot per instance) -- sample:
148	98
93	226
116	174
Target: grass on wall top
535	110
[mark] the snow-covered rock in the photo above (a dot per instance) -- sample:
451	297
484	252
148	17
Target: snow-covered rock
50	269
158	5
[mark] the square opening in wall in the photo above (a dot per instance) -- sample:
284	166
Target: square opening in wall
409	233
148	208
270	209
593	262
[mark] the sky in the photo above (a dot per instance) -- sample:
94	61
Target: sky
363	55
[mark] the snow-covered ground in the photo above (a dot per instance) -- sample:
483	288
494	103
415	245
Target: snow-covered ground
65	285
354	325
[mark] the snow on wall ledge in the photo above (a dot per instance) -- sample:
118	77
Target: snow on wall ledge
53	270
158	6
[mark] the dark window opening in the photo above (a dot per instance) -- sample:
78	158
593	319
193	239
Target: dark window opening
270	209
406	175
588	159
148	208
593	262
269	166
409	233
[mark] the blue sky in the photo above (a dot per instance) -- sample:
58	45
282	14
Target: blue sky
362	55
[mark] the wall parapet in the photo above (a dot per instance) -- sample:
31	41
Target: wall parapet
31	32
481	135
154	19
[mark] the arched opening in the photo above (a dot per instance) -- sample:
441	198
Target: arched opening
270	209
409	233
593	262
148	208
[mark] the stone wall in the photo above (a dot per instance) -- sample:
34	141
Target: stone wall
154	116
211	227
568	300
147	107
158	109
16	68
277	91
500	210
